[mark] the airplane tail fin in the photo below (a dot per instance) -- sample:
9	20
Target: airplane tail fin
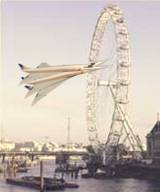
22	67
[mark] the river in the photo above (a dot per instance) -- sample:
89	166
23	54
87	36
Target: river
89	185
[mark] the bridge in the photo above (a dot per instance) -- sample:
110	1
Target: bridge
32	154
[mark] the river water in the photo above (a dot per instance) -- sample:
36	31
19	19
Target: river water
89	185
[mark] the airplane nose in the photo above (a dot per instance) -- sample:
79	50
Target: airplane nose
91	64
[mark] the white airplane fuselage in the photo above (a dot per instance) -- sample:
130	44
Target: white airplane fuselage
44	78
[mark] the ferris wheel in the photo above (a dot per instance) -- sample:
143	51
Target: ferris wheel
117	84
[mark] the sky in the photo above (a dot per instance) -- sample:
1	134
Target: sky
60	32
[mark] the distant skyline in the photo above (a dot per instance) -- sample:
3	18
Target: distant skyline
60	32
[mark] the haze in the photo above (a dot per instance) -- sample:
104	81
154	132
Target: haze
60	32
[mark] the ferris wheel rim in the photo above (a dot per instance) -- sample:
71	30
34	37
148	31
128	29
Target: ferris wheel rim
114	14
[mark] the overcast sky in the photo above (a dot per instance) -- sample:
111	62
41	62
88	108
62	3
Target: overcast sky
60	33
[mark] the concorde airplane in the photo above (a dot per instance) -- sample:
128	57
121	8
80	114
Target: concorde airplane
44	78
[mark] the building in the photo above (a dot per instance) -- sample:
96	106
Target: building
153	142
49	146
28	146
7	146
